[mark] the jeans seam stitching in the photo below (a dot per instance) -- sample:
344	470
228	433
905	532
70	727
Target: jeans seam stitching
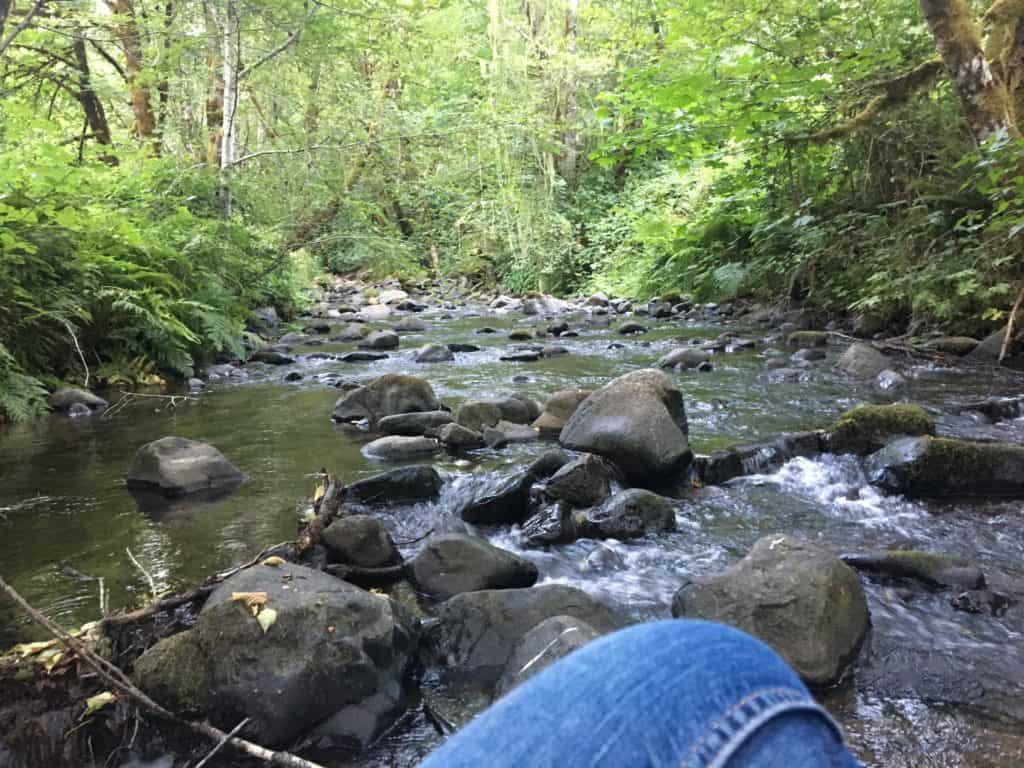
791	694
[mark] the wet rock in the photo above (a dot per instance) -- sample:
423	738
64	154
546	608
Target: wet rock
659	309
739	460
547	464
410	306
558	409
505	432
64	399
798	598
583	482
400	485
629	515
934	570
981	601
997	408
410	325
528	356
989	349
486	331
953	345
195	385
683	357
506	501
293	338
293	376
451	564
867	428
478	414
400	448
806	339
599	299
863	362
541	647
380	340
318	326
520	335
637	421
553	350
630	329
351	647
477	632
433	353
386	396
890	385
361	540
174	466
937	467
271	357
553	524
788	376
459	437
809	354
362	357
415	424
603	558
557	329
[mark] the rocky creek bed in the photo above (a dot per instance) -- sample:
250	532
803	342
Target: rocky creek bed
481	490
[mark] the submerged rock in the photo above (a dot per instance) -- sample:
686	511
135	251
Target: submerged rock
638	421
400	485
400	447
867	428
936	467
628	515
454	563
329	637
541	647
174	466
386	396
798	598
477	632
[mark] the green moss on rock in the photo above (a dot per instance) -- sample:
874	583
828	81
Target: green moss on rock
174	673
867	428
804	339
929	467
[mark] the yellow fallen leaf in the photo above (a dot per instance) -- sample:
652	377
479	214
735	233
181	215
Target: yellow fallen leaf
319	492
99	701
254	601
50	658
266	618
274	561
31	649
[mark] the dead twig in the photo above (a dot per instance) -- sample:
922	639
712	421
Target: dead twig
234	731
1008	338
145	573
116	678
127	398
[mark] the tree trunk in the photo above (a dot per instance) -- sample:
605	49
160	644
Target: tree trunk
568	162
127	31
984	95
214	88
229	60
91	104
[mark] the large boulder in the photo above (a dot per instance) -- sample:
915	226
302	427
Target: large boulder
863	361
505	501
798	598
454	563
638	421
937	467
541	647
477	632
867	428
174	466
361	540
400	485
329	638
63	400
582	482
558	409
414	424
628	515
385	396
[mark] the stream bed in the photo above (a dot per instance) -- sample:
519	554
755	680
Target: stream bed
67	519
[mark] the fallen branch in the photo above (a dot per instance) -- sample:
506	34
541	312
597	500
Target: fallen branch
360	575
220	744
145	573
1009	324
170	401
116	678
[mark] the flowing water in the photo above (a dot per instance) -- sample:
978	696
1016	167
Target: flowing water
67	519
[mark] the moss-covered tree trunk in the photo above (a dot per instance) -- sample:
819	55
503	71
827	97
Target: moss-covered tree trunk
127	31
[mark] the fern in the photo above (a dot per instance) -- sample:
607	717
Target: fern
22	397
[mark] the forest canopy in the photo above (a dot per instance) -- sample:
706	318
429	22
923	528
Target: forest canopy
167	166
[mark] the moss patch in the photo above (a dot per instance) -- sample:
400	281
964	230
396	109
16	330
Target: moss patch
867	428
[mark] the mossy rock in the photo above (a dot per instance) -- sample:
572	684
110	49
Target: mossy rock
867	428
931	568
174	672
954	345
938	467
673	297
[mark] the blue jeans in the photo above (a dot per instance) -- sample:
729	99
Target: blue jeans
670	694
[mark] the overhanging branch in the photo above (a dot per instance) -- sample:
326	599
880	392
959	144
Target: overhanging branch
894	91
